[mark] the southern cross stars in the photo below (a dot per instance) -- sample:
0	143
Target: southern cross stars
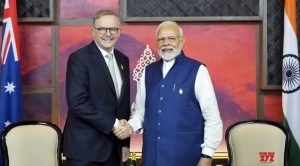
7	123
10	87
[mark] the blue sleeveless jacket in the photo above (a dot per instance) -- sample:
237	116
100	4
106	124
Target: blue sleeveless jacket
173	123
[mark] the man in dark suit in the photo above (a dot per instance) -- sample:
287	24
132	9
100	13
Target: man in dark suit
97	90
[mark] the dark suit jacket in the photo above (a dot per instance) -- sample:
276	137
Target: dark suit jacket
93	105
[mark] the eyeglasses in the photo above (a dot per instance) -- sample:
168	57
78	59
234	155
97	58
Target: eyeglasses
103	30
169	39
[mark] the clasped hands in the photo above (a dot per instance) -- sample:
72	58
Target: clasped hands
123	130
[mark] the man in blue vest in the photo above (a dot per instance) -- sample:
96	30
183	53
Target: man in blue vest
176	106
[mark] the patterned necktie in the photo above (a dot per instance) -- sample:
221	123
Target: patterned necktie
110	64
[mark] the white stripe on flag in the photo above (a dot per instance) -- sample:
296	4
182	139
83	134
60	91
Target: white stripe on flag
289	38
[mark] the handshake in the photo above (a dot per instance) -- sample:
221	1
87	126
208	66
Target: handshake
123	130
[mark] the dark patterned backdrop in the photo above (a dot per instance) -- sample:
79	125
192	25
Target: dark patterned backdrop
180	8
274	41
31	8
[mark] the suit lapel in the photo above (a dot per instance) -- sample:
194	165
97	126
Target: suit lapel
121	68
98	57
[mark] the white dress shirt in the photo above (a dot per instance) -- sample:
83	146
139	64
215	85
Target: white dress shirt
117	72
205	96
116	67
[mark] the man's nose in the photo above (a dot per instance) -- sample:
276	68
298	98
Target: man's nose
107	33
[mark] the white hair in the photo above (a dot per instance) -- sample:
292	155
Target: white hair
169	23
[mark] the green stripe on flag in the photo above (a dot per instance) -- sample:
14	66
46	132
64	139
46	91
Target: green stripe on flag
294	152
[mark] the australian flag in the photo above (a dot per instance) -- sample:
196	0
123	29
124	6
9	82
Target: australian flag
10	89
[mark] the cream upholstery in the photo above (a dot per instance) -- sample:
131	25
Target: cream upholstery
252	143
32	144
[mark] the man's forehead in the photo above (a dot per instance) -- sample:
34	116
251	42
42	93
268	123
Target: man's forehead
108	19
168	30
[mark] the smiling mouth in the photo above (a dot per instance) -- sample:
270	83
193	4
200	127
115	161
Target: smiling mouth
167	49
108	39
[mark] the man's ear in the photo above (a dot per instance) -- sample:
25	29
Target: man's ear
93	32
182	40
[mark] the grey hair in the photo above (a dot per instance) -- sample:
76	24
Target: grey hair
102	13
169	23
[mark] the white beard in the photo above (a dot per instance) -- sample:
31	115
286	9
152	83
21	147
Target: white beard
169	56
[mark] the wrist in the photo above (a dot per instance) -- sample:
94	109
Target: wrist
206	156
130	129
116	124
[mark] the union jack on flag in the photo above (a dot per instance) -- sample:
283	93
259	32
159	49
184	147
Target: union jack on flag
10	87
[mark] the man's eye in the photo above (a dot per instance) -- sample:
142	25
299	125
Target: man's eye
160	39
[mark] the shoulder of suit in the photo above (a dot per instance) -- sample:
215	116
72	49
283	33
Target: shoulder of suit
79	54
121	55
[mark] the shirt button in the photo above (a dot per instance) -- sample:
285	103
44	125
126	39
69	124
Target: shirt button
162	85
161	98
159	111
158	124
158	138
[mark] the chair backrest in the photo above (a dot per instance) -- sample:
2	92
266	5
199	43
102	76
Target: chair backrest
32	143
257	143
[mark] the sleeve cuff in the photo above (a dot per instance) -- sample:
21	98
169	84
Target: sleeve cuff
116	123
208	151
136	126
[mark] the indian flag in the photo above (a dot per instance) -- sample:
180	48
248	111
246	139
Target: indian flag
291	82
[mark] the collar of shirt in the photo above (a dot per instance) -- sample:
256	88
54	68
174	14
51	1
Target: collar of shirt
104	53
167	65
117	71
